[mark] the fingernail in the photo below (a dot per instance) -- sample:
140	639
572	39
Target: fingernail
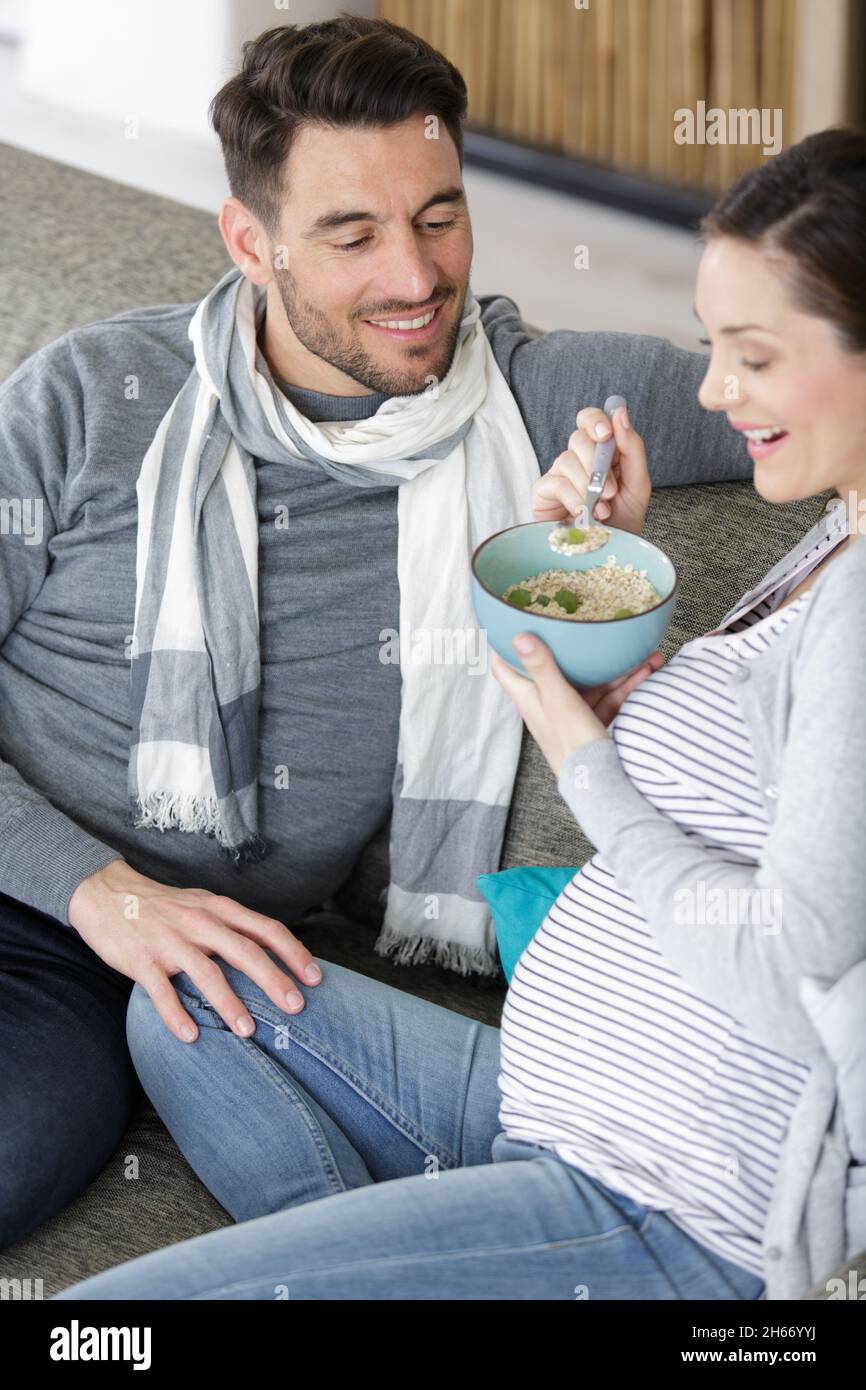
602	431
294	1000
524	644
626	423
187	1032
313	974
244	1026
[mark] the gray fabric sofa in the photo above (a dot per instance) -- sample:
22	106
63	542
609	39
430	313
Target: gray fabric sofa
76	248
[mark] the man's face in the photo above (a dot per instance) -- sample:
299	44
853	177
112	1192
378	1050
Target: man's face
375	227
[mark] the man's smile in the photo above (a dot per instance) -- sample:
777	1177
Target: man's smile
418	328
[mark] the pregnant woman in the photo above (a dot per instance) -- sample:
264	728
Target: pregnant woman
662	1116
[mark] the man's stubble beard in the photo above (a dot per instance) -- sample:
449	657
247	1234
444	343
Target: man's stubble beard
311	328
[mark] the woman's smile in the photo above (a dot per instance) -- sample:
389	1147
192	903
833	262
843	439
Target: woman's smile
762	440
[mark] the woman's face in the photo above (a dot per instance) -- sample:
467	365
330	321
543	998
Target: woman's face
775	368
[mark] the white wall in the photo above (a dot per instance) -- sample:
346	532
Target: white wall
252	16
11	19
821	64
160	61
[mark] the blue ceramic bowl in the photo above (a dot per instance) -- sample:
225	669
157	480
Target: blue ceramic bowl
587	653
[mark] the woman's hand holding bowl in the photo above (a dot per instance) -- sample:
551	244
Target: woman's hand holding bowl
559	717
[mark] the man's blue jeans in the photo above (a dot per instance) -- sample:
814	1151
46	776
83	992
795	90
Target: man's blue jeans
359	1147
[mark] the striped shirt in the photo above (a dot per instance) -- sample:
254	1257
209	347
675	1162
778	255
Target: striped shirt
607	1058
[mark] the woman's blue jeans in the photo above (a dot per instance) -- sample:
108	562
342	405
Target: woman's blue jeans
358	1145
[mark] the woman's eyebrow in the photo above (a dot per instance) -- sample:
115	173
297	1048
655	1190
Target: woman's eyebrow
745	328
331	220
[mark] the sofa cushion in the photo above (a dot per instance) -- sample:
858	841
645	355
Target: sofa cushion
77	248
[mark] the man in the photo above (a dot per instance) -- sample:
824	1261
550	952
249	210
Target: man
253	609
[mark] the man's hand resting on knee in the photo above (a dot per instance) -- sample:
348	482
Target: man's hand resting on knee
149	931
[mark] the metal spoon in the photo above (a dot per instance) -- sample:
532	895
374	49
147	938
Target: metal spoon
604	453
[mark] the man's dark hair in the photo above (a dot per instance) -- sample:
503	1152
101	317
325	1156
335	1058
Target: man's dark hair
348	71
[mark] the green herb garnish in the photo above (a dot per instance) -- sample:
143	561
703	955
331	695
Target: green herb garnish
520	598
567	600
543	599
624	613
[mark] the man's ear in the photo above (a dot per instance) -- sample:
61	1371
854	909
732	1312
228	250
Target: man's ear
247	242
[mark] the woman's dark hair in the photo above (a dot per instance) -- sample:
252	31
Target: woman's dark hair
348	71
810	203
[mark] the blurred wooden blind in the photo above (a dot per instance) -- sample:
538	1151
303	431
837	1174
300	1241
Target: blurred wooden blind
605	81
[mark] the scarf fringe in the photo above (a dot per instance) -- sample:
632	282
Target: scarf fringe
198	815
176	811
423	950
249	851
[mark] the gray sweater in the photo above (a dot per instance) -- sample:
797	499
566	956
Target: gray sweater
802	703
75	421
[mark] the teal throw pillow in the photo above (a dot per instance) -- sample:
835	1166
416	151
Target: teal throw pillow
519	901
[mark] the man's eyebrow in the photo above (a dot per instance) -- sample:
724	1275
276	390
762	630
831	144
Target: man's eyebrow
331	220
736	327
